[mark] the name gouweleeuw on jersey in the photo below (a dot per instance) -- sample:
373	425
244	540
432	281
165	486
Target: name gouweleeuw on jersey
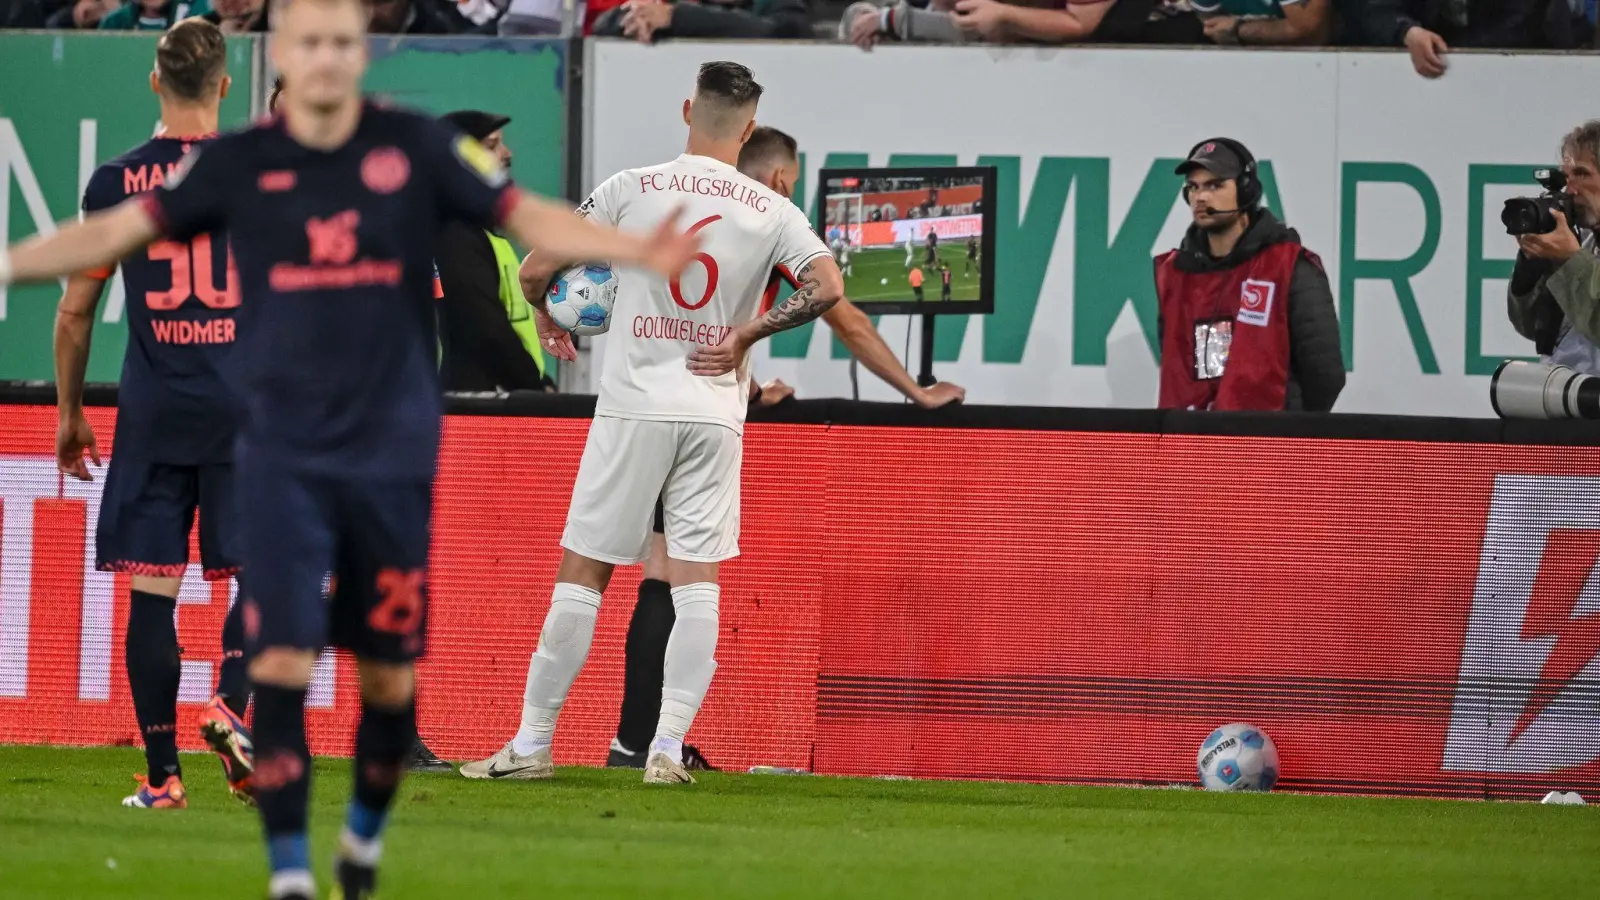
746	232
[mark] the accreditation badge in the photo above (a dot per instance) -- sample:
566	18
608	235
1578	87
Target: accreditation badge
1211	342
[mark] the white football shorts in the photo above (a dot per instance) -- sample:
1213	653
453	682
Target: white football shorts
693	467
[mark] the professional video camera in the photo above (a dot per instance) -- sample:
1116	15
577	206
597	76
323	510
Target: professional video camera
1527	390
1533	215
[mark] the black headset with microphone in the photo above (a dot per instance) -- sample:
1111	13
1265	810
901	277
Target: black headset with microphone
1249	185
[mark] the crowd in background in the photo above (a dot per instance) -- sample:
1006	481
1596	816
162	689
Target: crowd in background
1427	29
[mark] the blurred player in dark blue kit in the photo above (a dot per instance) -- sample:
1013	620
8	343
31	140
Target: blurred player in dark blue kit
333	210
175	424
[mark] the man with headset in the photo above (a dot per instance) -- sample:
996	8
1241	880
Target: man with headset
1246	318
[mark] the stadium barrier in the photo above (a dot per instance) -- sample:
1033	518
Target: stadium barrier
1408	606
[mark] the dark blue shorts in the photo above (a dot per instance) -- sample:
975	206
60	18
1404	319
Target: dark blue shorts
335	561
148	509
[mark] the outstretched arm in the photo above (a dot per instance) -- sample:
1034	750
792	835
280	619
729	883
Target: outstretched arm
821	286
99	240
558	233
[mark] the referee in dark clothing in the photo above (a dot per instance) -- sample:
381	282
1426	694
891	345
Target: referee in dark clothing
486	331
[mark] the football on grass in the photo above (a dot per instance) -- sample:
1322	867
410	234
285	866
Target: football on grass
1237	757
581	299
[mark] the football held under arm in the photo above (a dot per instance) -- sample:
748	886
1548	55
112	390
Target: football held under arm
541	266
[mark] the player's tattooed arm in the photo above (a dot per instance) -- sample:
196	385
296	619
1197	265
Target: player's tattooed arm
821	286
816	295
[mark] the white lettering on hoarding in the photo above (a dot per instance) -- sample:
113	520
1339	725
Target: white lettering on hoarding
1525	699
19	487
14	161
26	479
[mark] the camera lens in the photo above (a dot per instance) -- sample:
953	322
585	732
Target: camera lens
1525	215
1527	390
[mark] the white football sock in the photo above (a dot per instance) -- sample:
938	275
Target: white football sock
672	747
360	851
689	665
290	882
563	646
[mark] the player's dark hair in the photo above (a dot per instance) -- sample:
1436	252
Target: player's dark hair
276	95
768	147
728	82
191	59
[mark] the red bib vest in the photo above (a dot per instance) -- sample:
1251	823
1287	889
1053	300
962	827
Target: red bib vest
1201	366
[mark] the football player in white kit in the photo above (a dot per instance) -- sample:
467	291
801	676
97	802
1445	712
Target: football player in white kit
841	253
670	417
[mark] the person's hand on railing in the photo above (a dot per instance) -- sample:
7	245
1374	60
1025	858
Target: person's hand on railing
1427	51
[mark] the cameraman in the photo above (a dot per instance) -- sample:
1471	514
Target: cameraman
1554	297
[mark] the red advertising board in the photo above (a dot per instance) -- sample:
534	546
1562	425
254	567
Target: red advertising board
1051	606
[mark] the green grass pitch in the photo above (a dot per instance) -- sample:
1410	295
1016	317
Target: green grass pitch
868	269
601	834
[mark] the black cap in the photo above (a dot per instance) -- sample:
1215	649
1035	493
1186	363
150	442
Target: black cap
476	124
1215	157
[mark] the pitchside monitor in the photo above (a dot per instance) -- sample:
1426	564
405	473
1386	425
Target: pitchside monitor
896	232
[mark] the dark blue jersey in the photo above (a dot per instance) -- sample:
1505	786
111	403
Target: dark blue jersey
174	406
336	363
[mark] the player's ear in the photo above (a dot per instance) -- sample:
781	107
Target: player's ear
155	83
749	129
686	105
227	82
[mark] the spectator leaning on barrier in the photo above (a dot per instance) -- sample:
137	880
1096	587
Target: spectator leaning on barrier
1266	22
983	21
1429	28
416	17
152	15
239	16
83	14
1554	297
648	20
486	328
1246	319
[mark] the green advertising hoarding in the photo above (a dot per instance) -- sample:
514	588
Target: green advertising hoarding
70	102
524	79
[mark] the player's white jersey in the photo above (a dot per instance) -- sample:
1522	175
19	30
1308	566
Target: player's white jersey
745	232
